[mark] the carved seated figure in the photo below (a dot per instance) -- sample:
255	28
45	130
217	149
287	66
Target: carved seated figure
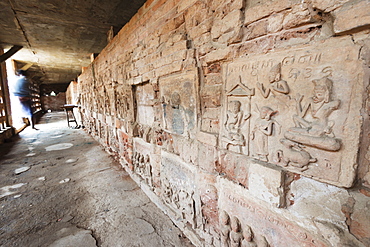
224	228
317	133
236	235
235	119
248	238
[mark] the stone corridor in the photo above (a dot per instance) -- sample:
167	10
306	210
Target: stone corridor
58	187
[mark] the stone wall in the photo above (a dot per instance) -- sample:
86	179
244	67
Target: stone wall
245	121
53	103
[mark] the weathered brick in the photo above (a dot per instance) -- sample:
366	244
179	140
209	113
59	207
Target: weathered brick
176	47
185	4
298	17
217	55
354	14
149	75
275	23
145	69
169	69
211	113
232	21
200	29
263	9
212	68
213	79
207	157
256	29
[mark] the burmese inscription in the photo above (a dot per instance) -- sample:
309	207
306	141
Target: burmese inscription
289	109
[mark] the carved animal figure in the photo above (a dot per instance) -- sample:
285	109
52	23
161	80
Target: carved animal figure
294	155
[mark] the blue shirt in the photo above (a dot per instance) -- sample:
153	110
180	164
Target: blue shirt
22	87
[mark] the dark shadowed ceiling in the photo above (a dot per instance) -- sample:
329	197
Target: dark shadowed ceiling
59	36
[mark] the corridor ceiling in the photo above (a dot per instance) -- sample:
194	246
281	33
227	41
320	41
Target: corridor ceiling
59	36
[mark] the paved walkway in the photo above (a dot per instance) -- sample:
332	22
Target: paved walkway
59	188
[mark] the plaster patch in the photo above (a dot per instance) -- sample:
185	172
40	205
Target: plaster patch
58	136
71	160
10	189
60	146
22	169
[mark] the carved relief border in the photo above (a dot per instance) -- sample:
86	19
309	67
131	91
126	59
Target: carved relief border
298	109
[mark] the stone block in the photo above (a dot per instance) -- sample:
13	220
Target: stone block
169	69
232	21
149	75
267	184
257	46
216	29
184	5
178	47
207	138
210	125
328	5
137	80
209	198
212	68
256	10
213	79
210	96
188	150
275	22
207	158
299	16
145	69
217	55
234	166
178	95
179	191
359	217
256	29
352	15
202	28
269	228
211	113
231	37
145	115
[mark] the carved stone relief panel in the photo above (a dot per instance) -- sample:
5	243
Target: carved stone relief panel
142	162
244	222
145	96
298	109
178	189
209	208
179	103
123	103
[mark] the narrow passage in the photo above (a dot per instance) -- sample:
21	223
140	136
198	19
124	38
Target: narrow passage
59	188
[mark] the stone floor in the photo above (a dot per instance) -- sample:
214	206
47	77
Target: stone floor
59	188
